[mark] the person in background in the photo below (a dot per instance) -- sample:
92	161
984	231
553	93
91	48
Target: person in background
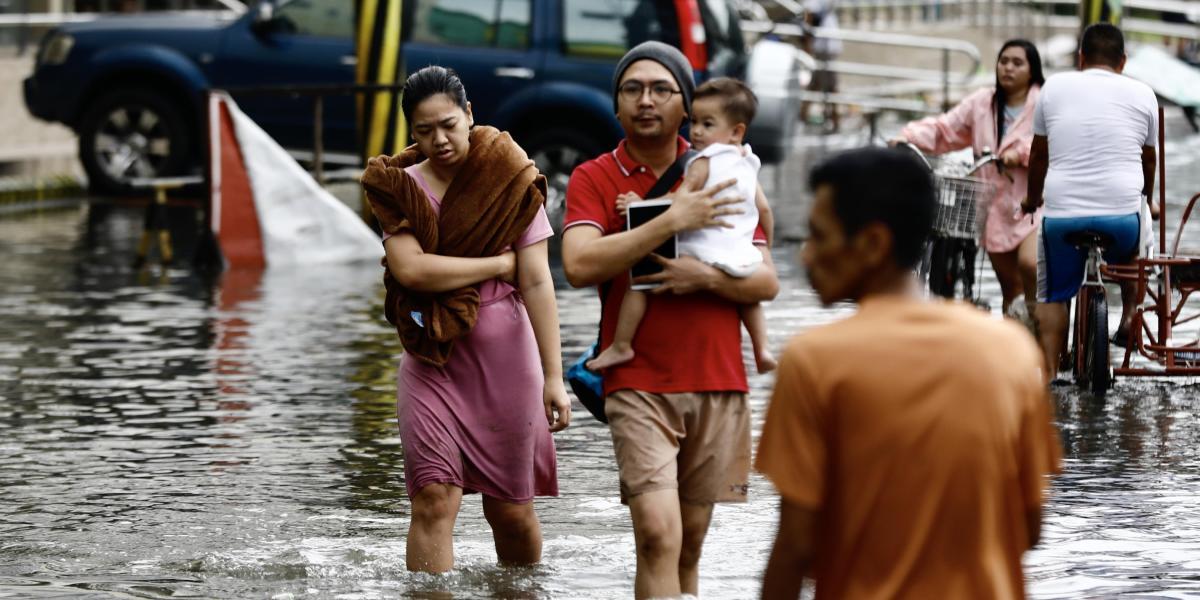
911	442
1092	166
823	14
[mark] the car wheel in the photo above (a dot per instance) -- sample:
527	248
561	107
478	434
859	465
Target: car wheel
556	154
127	134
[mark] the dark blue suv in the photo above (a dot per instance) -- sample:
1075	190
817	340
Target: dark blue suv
133	87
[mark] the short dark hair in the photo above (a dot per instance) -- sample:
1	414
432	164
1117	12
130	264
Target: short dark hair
885	185
737	101
430	81
1102	44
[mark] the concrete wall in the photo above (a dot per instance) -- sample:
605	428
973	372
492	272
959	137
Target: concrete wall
29	147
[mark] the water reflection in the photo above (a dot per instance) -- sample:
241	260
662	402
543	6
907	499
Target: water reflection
372	456
1122	519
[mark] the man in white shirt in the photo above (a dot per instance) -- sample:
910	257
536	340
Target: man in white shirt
1093	158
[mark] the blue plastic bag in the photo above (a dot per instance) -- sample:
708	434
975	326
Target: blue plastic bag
588	385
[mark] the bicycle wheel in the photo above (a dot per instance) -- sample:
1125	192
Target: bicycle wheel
943	267
923	266
1079	337
968	250
1097	363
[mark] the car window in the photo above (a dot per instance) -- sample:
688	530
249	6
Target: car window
476	23
607	28
322	18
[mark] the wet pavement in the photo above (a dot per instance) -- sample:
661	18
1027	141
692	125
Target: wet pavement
167	434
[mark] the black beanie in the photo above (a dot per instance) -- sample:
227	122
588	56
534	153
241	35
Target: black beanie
665	55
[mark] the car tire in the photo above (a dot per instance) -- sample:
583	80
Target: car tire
556	153
132	133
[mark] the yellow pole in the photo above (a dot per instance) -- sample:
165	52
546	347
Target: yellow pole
1099	11
381	125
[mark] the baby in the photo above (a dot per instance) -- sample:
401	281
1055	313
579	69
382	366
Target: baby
722	109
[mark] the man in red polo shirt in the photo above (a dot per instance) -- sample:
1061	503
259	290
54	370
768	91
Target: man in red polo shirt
678	411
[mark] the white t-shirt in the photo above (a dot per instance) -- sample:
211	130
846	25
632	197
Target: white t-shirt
730	249
1096	123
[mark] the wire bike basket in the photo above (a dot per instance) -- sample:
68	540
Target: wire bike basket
956	215
953	246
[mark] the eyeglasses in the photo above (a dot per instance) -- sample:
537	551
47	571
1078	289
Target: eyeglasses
632	91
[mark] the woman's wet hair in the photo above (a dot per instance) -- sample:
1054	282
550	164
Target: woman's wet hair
881	185
1036	77
430	81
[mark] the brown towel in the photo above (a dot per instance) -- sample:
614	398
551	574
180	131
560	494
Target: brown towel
489	205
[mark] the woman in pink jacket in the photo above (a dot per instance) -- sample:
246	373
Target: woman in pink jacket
999	119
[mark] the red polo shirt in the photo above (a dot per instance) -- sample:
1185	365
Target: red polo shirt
689	343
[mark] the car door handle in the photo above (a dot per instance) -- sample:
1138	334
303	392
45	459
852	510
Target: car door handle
349	60
514	72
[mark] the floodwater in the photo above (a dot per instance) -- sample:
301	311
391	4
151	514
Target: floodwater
164	435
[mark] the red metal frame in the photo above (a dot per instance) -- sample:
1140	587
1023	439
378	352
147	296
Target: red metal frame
1152	343
1157	284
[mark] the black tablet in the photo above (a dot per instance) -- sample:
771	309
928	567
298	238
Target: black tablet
637	214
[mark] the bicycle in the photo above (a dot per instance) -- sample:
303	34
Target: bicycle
952	250
1090	343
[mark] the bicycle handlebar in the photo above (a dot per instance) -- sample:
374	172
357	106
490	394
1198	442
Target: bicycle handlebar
987	158
984	159
917	151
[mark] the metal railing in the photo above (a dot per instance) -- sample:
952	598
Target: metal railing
52	19
947	48
1026	15
26	29
318	92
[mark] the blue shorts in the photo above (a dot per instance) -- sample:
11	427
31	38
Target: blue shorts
1060	265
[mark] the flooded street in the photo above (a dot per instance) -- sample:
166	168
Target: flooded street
166	434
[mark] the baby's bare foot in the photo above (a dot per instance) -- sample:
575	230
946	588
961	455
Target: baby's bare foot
611	357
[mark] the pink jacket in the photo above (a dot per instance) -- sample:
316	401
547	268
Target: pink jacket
972	124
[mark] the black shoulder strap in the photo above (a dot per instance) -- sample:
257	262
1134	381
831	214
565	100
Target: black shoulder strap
671	176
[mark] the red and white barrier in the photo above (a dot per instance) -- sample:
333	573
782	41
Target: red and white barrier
267	211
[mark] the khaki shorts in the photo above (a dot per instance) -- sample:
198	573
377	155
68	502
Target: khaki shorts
698	443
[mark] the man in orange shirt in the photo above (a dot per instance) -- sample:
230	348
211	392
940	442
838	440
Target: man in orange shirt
910	443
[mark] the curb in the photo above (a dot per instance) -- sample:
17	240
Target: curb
20	194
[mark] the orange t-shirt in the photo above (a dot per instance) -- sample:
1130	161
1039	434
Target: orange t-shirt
921	434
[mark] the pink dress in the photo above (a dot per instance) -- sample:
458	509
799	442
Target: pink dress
479	423
972	124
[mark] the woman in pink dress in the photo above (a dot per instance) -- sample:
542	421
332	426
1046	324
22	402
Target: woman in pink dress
1000	119
482	421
